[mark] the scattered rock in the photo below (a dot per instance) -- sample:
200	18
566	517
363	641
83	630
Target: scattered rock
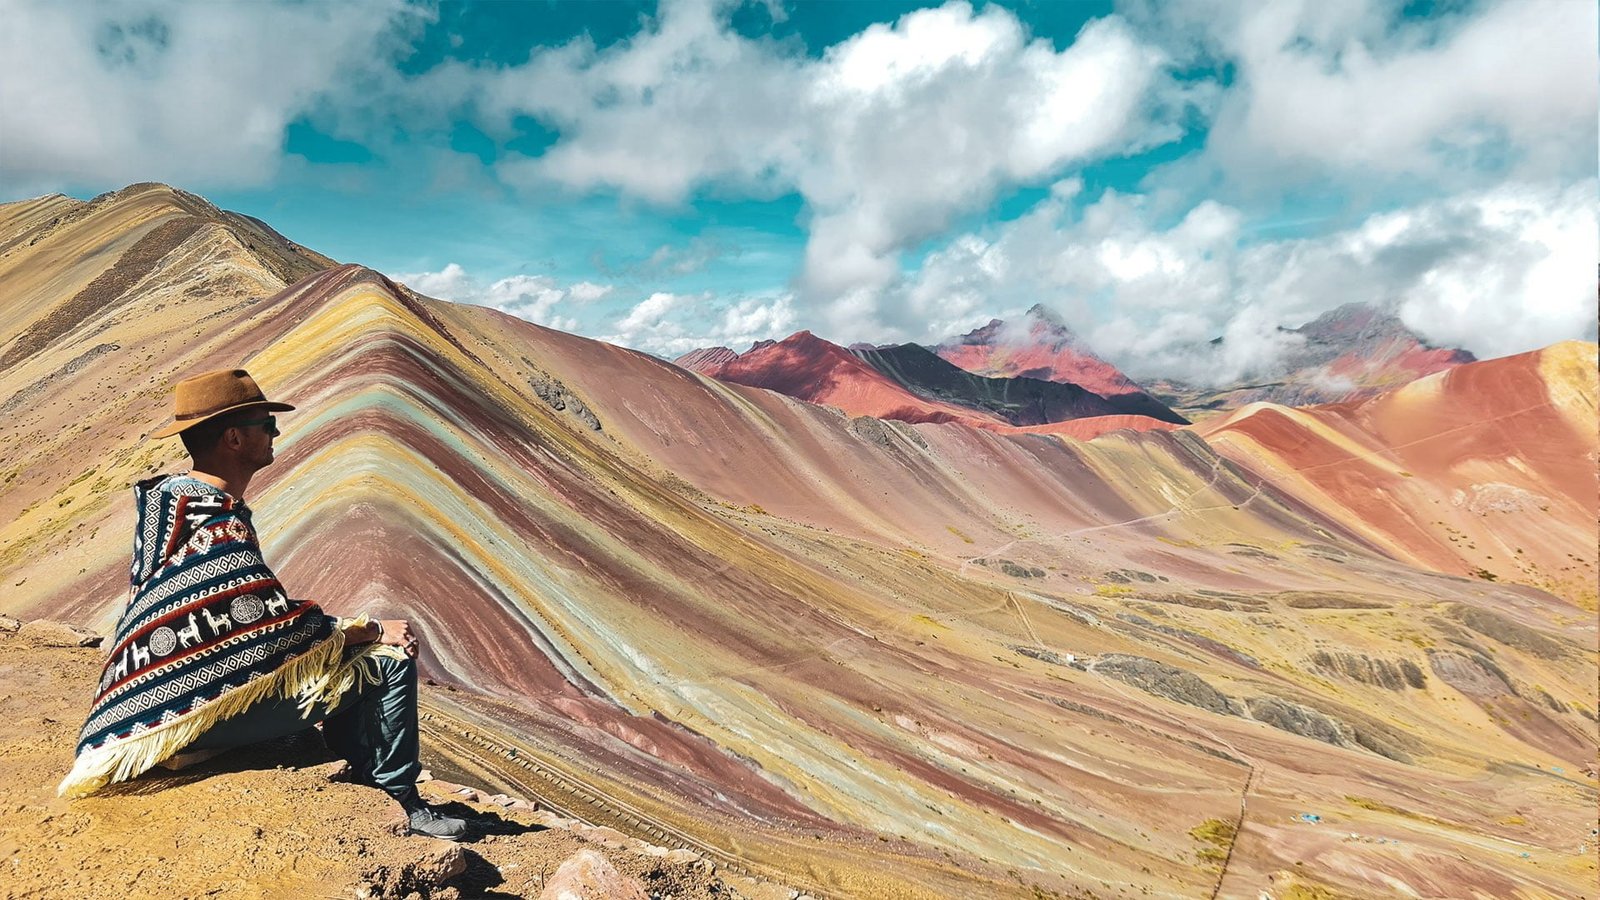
1043	655
1210	645
587	875
1020	571
1513	634
8	624
1554	704
1365	669
557	397
1129	576
1301	720
1412	674
1469	673
1163	680
870	430
45	633
1349	729
905	430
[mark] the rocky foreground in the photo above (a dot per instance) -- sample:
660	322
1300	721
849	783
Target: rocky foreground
277	821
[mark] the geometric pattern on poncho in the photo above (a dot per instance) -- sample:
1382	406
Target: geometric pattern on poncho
205	614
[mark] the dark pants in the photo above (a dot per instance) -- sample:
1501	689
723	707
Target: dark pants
373	727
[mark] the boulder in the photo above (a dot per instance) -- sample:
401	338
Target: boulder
586	875
426	874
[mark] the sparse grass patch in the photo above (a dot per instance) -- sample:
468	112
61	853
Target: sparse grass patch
959	533
1112	590
1219	835
1311	892
1380	806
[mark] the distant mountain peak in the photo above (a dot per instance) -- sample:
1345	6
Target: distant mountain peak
705	359
1355	322
1043	347
1044	314
1351	352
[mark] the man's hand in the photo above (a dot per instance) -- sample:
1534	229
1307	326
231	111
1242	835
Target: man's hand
398	633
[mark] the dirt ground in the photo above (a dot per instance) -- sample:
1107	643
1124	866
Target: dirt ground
270	822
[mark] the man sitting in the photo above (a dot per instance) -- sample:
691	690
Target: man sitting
211	653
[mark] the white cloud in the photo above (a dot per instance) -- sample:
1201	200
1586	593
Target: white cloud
670	325
588	291
1496	271
194	93
665	323
536	298
650	312
1480	121
888	137
1351	91
1525	281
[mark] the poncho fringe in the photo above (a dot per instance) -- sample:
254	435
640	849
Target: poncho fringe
316	676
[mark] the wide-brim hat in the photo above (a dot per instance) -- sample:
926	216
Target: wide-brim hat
201	398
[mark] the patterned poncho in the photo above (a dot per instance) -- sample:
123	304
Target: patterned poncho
208	630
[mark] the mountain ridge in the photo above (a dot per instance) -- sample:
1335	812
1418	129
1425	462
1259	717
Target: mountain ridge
910	383
1051	352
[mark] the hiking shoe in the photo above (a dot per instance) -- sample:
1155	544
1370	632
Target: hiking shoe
428	822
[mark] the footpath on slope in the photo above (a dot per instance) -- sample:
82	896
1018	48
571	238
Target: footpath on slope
273	821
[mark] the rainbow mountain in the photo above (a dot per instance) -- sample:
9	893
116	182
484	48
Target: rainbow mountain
1348	649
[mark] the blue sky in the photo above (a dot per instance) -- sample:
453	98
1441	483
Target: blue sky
692	173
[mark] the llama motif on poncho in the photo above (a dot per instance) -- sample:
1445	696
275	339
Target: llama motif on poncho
208	630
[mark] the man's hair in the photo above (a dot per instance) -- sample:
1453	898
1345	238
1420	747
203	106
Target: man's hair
202	439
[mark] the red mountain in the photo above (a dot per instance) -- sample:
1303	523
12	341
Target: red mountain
911	384
1485	469
809	368
1051	352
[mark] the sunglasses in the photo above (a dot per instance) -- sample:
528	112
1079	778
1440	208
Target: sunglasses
270	423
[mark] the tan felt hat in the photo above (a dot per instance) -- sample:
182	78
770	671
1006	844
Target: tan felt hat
200	398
